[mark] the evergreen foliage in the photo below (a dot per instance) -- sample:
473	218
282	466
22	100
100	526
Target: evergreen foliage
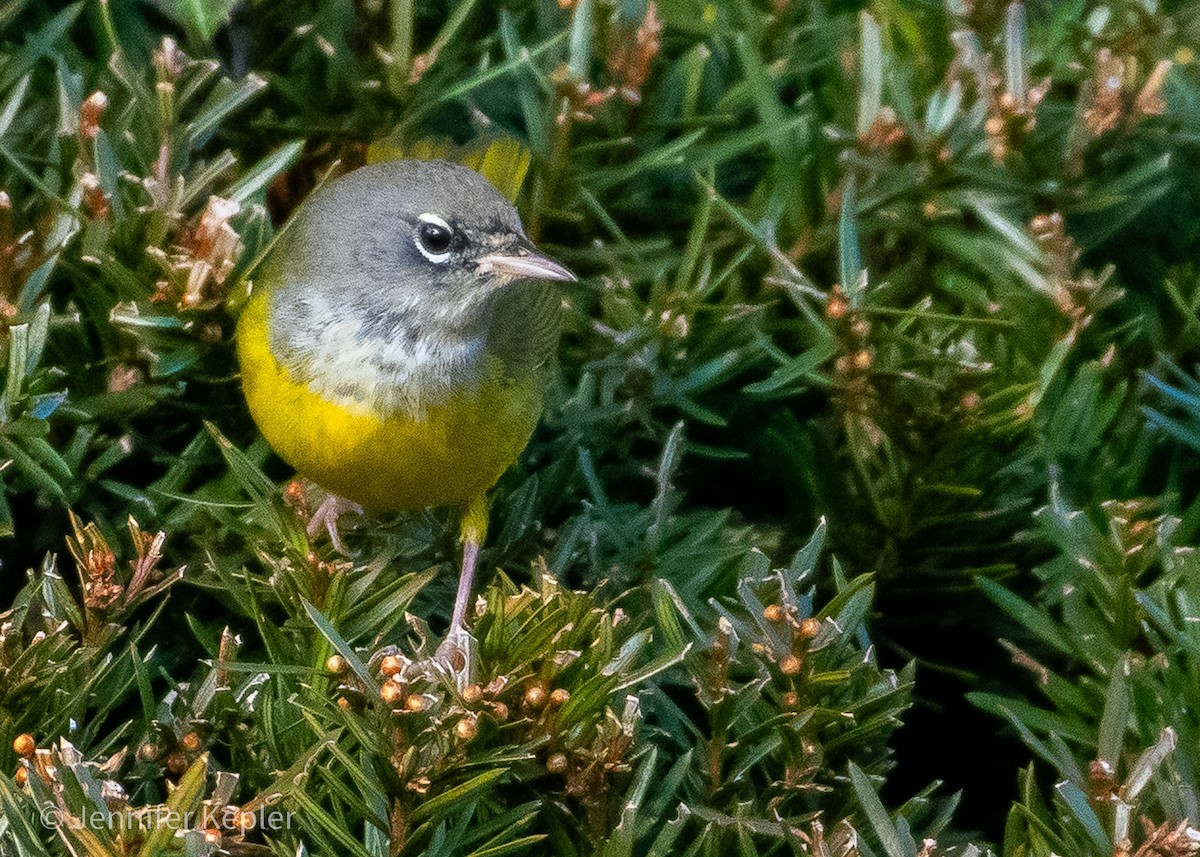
906	292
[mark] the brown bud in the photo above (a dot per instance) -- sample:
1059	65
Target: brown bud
791	699
343	703
863	360
391	665
93	195
336	664
971	401
293	494
149	751
177	763
391	693
211	333
414	703
22	775
535	697
191	742
790	665
466	729
809	628
500	710
994	125
89	113
1103	778
837	307
557	763
774	613
1008	101
559	696
472	693
24	745
458	660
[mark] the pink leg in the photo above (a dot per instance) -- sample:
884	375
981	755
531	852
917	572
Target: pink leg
326	516
457	651
466	577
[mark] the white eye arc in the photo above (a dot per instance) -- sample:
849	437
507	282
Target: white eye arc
433	237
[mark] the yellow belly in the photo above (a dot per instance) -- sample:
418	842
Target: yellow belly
455	452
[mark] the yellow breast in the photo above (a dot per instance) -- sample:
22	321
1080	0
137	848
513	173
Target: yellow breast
449	454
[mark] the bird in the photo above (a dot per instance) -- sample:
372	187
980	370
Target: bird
396	345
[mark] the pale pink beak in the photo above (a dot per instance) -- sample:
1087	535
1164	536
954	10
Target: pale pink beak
526	265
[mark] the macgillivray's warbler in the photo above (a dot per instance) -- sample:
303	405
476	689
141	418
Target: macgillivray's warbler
395	343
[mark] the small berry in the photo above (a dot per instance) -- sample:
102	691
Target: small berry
472	693
535	697
559	696
414	703
177	763
24	745
791	699
336	664
466	729
22	775
557	763
391	693
791	665
773	613
191	742
391	665
809	628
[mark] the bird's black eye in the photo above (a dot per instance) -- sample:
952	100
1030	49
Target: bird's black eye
434	237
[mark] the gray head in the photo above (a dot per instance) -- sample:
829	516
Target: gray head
419	236
391	284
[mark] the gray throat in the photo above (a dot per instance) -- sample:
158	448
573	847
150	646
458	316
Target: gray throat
389	362
406	358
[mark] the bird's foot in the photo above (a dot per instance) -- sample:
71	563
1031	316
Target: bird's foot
326	517
456	657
